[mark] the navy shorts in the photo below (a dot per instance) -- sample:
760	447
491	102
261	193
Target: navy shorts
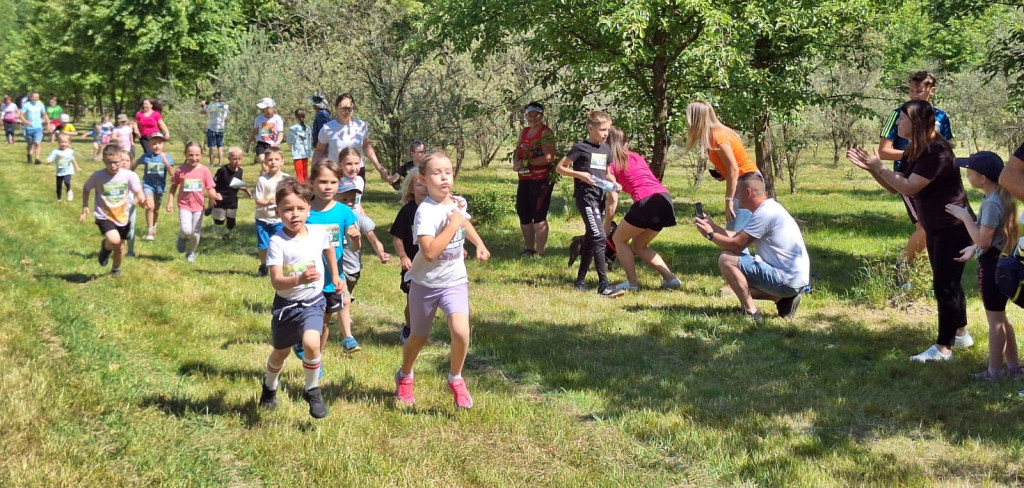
214	139
291	319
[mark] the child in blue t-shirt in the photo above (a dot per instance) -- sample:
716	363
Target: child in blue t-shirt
64	158
156	166
339	221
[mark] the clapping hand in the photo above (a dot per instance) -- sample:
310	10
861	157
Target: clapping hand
861	159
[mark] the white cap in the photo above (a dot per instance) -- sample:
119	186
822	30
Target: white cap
267	102
65	118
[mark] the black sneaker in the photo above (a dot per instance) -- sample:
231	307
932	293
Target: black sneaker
104	255
268	399
580	286
787	306
262	272
39	162
317	407
611	292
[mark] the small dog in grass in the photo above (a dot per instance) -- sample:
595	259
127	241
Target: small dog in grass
576	247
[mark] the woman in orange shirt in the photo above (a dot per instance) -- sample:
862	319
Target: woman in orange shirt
725	151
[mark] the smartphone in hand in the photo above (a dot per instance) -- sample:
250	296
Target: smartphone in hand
698	210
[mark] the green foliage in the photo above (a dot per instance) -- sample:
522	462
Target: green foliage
888	282
490	204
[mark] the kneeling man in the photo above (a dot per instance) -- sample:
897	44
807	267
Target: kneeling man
781	269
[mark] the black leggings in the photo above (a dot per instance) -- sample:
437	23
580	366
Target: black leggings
66	181
594	243
944	246
9	130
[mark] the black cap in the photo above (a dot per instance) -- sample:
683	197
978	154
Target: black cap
988	163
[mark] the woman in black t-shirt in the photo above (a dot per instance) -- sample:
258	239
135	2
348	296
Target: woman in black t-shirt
933	179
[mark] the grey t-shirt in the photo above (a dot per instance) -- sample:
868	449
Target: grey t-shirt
352	261
991	215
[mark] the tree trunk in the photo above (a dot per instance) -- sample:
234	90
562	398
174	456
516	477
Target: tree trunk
763	153
659	121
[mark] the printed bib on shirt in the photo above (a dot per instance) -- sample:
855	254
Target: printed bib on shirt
296	269
334	232
115	201
155	169
599	162
192	185
64	164
454	250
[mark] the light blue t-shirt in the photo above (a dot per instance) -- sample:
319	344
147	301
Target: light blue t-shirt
154	174
335	220
64	159
33	114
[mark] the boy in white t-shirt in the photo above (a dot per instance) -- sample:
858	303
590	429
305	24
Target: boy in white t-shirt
269	127
296	259
64	157
267	221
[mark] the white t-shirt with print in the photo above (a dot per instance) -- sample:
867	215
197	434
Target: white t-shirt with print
780	243
449	269
268	129
295	255
338	137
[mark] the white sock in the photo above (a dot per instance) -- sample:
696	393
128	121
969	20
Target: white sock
403	375
272	374
453	377
312	369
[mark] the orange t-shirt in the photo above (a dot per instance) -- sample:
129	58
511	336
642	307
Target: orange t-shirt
726	136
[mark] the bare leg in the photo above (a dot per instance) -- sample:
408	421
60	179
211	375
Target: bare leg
263	256
540	231
458	327
728	264
621	238
345	317
529	236
411	350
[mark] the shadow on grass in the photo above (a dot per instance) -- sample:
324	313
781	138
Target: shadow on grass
215	404
258	307
77	278
721	371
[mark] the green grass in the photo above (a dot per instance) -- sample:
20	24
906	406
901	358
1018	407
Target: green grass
151	378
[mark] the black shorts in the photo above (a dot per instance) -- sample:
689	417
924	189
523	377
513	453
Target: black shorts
991	297
351	280
291	319
652	213
533	199
108	225
334	301
261	148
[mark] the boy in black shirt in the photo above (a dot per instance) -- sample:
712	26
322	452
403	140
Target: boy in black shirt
589	160
226	209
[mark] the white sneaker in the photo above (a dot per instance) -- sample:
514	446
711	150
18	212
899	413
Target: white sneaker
930	355
964	341
71	195
672	284
625	286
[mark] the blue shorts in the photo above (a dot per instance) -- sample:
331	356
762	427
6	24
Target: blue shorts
263	232
158	196
214	139
742	217
291	319
33	136
765	277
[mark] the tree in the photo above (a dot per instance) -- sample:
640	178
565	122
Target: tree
642	57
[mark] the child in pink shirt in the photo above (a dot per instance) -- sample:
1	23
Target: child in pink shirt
193	179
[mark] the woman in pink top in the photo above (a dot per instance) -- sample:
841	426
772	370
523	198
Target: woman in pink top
651	211
149	122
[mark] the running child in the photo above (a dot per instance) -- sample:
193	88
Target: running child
156	166
269	126
124	135
350	162
126	163
110	206
97	135
438	276
587	163
300	136
267	221
226	209
995	232
413	192
193	179
340	222
296	256
67	165
107	127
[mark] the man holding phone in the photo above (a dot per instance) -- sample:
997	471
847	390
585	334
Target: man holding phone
781	269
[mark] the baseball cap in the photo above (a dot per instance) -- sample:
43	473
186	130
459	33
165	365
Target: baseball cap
347	185
267	102
157	135
122	118
988	163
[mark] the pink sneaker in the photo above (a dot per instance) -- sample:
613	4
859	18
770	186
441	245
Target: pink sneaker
462	398
403	389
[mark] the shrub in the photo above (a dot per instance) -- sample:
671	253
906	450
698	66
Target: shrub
490	204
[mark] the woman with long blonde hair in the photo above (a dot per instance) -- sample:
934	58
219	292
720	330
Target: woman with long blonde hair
724	148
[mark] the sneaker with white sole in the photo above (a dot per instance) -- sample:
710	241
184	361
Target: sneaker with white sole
964	341
673	284
71	195
190	257
404	388
625	286
611	292
931	355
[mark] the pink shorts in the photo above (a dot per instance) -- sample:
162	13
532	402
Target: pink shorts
424	302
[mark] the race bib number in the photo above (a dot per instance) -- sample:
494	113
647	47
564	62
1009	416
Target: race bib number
599	162
192	185
115	201
64	164
296	269
155	169
334	232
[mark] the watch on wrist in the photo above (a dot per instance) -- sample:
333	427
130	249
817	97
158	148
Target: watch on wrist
710	235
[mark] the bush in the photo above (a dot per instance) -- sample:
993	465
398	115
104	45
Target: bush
490	204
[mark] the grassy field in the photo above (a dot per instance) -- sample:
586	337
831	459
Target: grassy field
151	378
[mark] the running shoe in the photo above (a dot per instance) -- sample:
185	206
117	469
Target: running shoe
673	284
262	271
190	257
268	399
787	306
104	255
404	388
71	195
580	286
461	394
611	292
299	353
625	286
317	407
115	272
350	345
931	355
964	341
